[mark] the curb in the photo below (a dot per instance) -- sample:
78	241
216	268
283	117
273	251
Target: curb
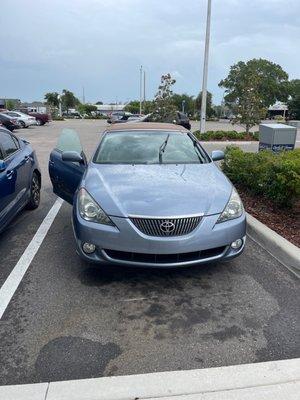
280	248
271	380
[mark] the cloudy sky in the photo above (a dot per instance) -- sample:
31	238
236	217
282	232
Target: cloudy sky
49	45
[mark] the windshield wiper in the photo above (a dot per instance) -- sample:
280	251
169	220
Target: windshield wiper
162	148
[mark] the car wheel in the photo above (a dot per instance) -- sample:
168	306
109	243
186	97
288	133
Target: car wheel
35	192
38	122
22	123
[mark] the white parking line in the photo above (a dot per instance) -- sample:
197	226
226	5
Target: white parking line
15	277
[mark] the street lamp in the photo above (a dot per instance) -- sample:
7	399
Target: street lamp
182	105
205	69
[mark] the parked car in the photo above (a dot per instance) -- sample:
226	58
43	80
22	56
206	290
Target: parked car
150	196
72	115
41	118
24	120
180	119
128	118
20	177
118	116
10	123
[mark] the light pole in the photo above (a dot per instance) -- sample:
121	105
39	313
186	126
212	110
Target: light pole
205	69
141	88
59	105
182	105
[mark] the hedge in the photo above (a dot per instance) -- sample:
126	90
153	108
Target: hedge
226	135
275	176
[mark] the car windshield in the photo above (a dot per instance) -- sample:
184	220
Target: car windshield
149	147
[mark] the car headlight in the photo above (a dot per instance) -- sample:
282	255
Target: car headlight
90	210
233	209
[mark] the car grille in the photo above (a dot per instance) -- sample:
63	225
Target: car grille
166	227
164	258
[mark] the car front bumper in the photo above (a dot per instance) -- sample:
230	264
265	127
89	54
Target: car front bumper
125	244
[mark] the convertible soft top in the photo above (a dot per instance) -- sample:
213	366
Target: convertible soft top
143	126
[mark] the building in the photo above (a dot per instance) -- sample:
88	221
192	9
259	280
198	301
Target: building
3	103
35	106
106	109
279	108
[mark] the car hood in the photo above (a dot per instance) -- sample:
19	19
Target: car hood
158	190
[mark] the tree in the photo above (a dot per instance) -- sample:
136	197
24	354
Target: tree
133	107
68	100
209	106
86	109
99	103
184	99
10	104
52	99
294	100
251	87
164	108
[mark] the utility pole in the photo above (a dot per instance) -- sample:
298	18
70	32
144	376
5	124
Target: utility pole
83	96
205	69
141	88
144	86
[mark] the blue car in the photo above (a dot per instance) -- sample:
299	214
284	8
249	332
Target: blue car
20	177
150	196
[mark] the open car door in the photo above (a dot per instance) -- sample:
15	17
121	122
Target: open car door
66	175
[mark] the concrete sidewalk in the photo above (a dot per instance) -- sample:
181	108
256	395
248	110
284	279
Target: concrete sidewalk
278	380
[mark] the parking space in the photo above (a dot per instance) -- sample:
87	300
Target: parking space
70	320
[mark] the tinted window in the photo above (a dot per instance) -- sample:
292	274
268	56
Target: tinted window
145	147
8	144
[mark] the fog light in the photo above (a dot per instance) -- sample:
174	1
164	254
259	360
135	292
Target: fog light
236	244
88	248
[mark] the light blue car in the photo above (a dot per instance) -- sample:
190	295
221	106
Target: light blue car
150	196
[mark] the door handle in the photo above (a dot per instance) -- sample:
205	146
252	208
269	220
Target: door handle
9	174
26	158
51	162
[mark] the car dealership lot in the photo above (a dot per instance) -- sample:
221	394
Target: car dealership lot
69	320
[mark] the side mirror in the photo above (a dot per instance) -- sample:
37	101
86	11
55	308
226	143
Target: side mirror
217	155
72	156
2	165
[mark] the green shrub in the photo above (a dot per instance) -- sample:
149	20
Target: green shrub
275	176
225	135
57	118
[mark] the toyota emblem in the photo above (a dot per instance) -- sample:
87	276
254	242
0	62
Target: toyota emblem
167	227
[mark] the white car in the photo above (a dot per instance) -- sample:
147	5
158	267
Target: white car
24	120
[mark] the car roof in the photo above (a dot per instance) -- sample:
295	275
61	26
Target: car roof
144	126
4	115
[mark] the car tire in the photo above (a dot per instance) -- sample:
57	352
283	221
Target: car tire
39	122
22	123
35	192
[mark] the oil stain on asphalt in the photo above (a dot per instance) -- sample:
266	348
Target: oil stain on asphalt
74	358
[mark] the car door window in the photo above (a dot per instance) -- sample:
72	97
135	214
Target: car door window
8	143
69	141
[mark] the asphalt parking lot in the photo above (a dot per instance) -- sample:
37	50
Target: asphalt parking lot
70	320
